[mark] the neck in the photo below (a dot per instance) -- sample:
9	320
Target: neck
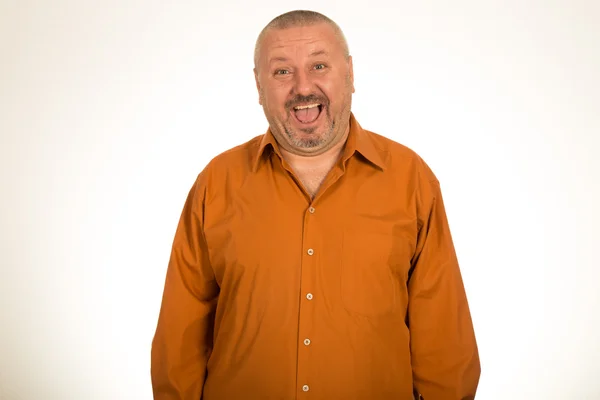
323	160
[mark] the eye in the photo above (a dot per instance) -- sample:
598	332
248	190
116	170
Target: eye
282	72
320	66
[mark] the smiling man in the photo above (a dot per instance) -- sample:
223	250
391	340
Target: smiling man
314	261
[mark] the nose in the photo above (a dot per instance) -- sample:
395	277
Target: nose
303	84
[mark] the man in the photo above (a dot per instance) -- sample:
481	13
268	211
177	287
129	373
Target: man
314	261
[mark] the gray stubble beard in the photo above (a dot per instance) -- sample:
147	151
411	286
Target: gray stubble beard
309	143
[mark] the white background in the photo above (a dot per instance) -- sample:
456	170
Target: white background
108	111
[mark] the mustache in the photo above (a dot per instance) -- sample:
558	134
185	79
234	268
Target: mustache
311	98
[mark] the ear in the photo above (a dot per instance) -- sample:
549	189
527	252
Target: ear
351	71
257	86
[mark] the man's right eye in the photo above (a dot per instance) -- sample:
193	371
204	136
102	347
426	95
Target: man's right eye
281	72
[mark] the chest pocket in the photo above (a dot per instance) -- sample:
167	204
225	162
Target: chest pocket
368	284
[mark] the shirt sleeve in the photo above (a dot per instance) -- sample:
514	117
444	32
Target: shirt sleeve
184	335
445	358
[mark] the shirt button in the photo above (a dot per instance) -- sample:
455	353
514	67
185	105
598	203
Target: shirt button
306	342
310	252
305	388
309	296
311	210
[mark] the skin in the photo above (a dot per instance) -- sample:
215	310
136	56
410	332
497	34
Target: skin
300	66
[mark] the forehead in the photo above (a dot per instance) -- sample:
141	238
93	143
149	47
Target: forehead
301	39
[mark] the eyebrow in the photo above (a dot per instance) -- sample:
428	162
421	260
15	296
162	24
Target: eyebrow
318	53
277	59
313	54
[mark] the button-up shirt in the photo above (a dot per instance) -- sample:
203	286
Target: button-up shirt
353	294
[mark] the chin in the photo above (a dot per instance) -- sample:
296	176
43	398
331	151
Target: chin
306	140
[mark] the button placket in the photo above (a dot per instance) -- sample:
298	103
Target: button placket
305	326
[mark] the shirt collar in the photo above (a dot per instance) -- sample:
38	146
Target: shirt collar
359	140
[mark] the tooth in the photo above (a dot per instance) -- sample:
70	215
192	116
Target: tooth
308	106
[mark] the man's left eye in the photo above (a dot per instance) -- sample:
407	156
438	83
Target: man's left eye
319	66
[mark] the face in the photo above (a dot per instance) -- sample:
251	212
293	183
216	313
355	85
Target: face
305	84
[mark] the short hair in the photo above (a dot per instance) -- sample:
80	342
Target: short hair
298	18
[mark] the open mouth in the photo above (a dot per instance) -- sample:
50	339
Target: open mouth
309	113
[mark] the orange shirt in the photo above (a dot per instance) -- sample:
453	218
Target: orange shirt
355	294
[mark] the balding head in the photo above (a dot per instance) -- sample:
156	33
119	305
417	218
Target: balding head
299	18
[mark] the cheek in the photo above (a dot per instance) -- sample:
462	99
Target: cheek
334	89
275	107
275	98
343	90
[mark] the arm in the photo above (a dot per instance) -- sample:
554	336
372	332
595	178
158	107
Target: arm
183	339
445	358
